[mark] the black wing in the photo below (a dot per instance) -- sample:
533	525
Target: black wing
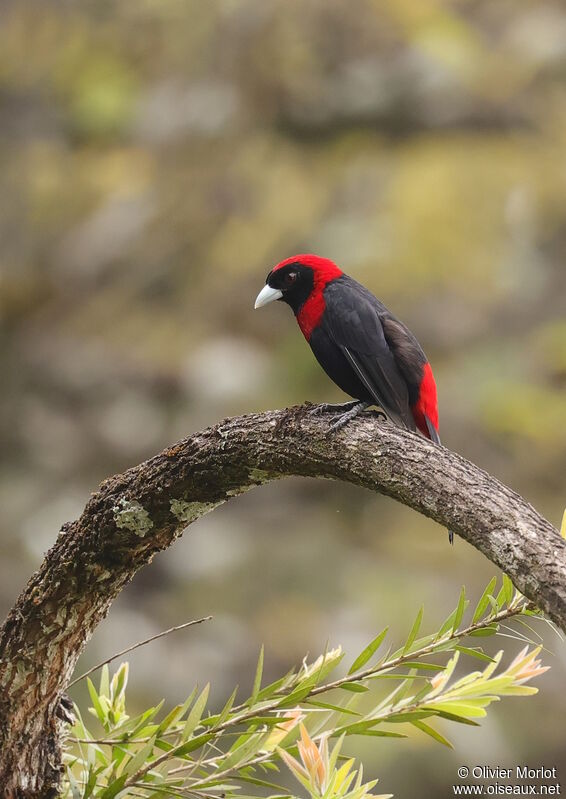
352	320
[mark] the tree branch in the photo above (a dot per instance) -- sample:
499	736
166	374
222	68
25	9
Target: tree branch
134	515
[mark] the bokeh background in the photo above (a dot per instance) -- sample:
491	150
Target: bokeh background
157	157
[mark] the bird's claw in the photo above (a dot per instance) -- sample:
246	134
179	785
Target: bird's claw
342	422
329	407
350	414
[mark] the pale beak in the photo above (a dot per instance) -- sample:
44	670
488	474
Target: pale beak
267	294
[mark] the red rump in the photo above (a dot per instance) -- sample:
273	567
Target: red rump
427	402
324	270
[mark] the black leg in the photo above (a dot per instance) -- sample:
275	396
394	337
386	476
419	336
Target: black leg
354	410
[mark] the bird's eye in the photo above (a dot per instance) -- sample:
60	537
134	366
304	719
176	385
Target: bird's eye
290	278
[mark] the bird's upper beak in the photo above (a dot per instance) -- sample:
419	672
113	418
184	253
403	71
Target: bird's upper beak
267	294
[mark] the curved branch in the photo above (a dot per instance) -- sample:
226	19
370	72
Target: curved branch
134	515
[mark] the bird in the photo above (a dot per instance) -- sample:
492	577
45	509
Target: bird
366	350
369	353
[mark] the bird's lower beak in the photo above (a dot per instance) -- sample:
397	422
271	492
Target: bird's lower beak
267	294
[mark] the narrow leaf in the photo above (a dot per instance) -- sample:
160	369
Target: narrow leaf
246	751
272	688
462	603
140	758
485	631
113	789
225	712
368	652
445	714
177	713
414	630
295	697
428	730
190	746
99	710
335	708
476	653
196	713
354	687
508	586
104	689
384	734
461	709
484	600
257	679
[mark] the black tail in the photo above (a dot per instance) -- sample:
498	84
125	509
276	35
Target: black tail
432	431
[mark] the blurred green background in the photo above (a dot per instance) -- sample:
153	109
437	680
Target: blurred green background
157	157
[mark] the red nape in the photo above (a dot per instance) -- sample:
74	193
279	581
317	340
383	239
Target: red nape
324	270
427	402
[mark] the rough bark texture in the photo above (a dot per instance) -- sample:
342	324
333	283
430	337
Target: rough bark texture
134	515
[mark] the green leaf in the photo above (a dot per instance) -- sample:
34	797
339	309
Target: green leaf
140	758
258	781
177	713
115	788
476	653
408	715
357	727
481	607
467	710
133	727
335	708
445	714
414	630
245	751
119	681
446	626
91	782
485	631
99	710
398	676
508	589
194	743
295	697
384	734
225	712
354	687
419	664
272	688
269	721
368	652
257	679
104	689
460	609
428	730
196	713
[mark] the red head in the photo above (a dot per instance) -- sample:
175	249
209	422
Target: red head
297	279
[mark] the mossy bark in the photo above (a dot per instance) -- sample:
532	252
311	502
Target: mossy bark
136	514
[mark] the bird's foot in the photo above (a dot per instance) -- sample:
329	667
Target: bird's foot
354	410
329	407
